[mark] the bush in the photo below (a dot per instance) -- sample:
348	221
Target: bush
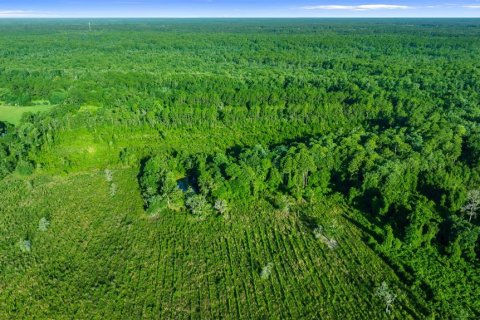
113	189
129	157
108	175
266	271
386	295
43	224
57	97
25	245
157	204
25	167
281	202
197	204
221	206
3	128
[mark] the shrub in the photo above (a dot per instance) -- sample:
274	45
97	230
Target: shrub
113	189
319	233
266	271
197	204
221	206
25	167
108	175
25	245
386	295
157	204
57	97
128	156
281	202
43	224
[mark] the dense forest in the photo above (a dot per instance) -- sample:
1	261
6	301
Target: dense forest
336	160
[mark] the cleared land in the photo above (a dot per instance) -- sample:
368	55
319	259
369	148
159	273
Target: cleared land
114	260
13	114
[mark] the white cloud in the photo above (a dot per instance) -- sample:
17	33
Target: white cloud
472	6
362	7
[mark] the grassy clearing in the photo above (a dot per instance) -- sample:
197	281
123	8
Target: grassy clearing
101	256
13	114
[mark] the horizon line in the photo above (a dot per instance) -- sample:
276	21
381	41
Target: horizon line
239	17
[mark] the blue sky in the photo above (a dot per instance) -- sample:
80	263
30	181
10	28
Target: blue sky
238	8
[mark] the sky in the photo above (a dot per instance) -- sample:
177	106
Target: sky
238	8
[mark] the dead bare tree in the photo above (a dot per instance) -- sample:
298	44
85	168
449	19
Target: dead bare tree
387	296
473	204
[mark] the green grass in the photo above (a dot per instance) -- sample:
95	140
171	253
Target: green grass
14	114
103	257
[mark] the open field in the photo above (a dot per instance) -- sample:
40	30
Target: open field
13	114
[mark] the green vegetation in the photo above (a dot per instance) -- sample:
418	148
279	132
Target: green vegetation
13	115
241	169
103	255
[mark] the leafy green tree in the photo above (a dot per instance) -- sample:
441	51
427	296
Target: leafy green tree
422	224
159	186
395	182
296	167
464	239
